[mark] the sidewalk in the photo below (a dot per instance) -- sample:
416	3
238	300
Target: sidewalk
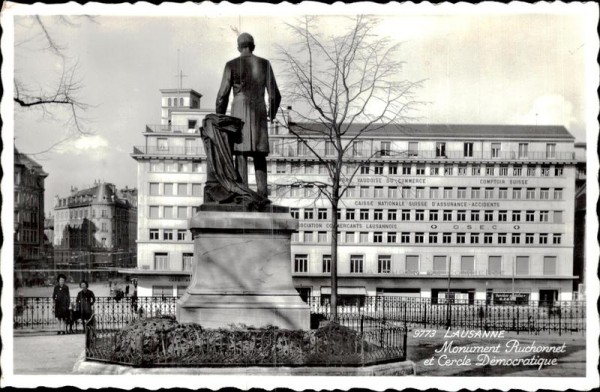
46	353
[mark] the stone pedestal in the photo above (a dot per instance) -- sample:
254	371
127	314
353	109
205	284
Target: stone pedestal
242	271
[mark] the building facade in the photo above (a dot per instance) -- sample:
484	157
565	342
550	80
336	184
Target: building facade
95	231
484	210
29	180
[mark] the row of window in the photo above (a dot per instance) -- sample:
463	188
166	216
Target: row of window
378	237
162	261
174	189
175	167
435	193
81	213
171	212
532	216
28	236
168	235
412	265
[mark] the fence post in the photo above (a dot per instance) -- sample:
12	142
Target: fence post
362	319
559	320
404	344
424	315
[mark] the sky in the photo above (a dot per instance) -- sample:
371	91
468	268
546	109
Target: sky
479	68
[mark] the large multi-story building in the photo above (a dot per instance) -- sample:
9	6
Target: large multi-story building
29	215
486	210
95	231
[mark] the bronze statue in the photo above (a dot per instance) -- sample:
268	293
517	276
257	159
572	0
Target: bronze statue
249	76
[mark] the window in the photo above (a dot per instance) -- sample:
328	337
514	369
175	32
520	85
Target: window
516	216
531	171
474	238
322	213
462	170
523	147
522	265
378	169
550	150
392	192
433	238
420	170
447	215
326	264
462	193
475	193
516	238
558	193
495	265
391	215
405	215
393	168
300	263
295	237
517	170
503	193
406	170
433	215
544	216
378	237
187	260
153	212
495	150
364	214
161	261
440	149
322	236
412	264
168	235
556	238
558	171
154	235
461	215
448	193
420	193
162	144
419	238
378	215
461	238
468	150
391	237
169	189
475	170
413	149
295	212
404	238
488	238
516	194
357	148
489	170
503	170
329	149
545	171
502	238
153	189
351	192
434	171
467	265
196	190
182	189
364	191
162	291
434	193
349	214
439	264
309	190
448	170
379	194
356	264
529	238
363	237
447	238
530	194
558	217
386	149
302	149
364	169
168	212
280	167
104	227
384	264
489	193
488	216
308	213
350	237
502	216
419	215
308	236
543	238
182	212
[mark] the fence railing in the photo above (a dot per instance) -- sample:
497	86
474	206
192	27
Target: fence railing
359	313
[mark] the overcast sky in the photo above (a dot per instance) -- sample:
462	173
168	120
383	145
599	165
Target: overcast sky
494	68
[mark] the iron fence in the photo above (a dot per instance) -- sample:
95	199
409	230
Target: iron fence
364	313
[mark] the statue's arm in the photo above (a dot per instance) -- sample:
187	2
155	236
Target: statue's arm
224	90
274	95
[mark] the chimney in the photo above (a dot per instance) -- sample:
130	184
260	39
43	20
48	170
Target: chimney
288	113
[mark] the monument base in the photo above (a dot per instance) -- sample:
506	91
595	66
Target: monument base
242	272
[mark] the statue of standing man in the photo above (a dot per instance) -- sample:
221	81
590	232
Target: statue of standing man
249	76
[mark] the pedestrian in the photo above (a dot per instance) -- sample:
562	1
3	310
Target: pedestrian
127	290
85	303
62	302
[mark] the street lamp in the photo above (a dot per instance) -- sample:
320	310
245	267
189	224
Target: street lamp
448	314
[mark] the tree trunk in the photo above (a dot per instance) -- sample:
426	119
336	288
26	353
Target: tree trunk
334	243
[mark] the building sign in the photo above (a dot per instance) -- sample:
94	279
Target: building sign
500	298
449	227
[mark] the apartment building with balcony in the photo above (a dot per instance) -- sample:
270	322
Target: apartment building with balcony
489	207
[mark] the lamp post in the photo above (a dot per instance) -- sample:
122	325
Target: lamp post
448	309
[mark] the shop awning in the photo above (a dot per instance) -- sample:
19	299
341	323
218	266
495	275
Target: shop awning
345	290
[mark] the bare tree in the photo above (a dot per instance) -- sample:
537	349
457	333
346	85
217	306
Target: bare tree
346	86
61	97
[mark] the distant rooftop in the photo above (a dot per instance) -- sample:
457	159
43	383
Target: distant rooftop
454	131
28	162
180	90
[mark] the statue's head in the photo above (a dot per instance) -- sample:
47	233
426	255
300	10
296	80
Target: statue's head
245	40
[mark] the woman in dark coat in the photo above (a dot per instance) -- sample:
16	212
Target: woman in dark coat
85	301
62	302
